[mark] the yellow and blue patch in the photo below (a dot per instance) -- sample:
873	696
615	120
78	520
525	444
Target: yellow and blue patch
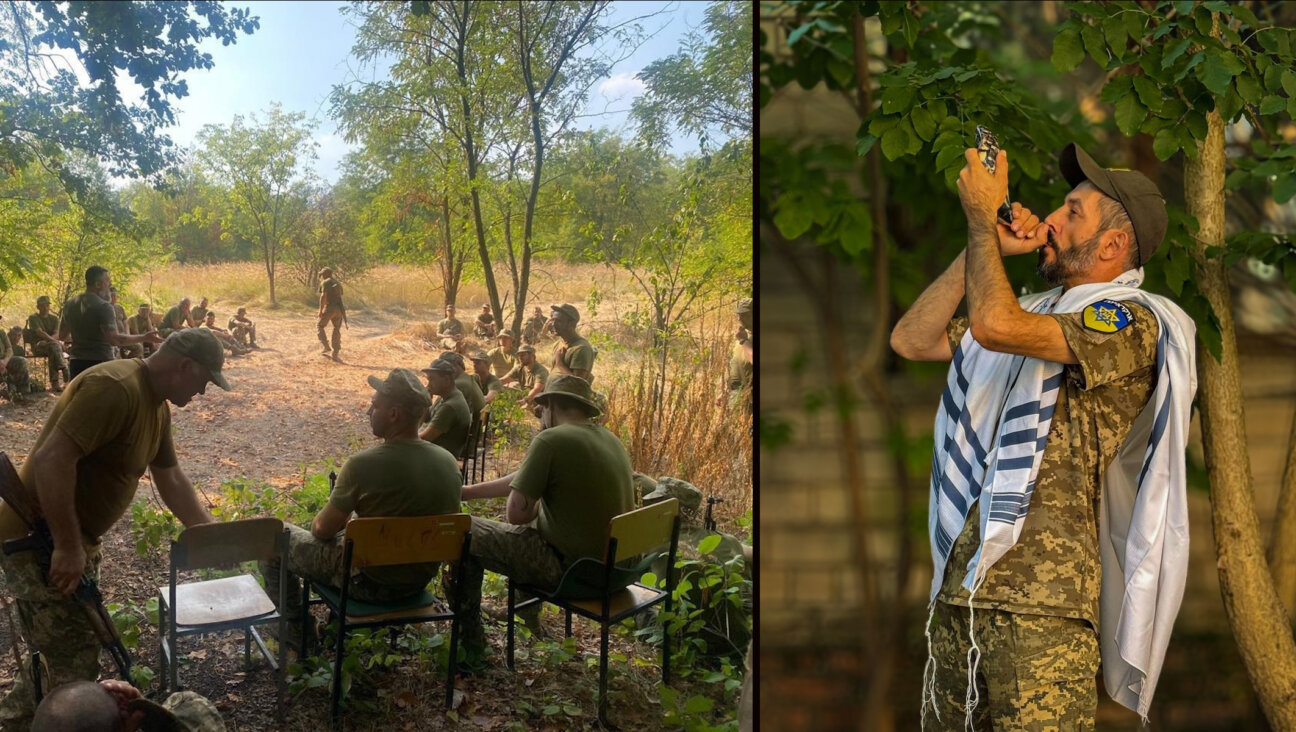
1107	316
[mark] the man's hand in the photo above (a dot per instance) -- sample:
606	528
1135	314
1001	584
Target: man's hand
980	191
1026	234
66	568
154	338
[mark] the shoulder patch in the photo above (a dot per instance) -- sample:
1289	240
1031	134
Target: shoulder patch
1107	316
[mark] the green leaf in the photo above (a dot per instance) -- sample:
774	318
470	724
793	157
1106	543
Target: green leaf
1114	33
794	220
897	99
894	142
796	34
1197	124
1134	24
1149	94
1116	89
1205	23
1236	179
910	29
1284	189
1249	89
1288	80
1093	42
698	704
709	544
948	138
1176	50
1165	144
1067	53
923	123
1271	104
1229	106
864	144
1029	164
1291	107
1273	78
880	124
1129	114
1184	7
1216	73
1244	14
945	157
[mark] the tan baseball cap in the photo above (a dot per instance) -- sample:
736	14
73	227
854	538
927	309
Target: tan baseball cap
201	346
402	386
1139	196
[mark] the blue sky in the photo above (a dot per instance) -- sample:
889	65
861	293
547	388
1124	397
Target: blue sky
303	48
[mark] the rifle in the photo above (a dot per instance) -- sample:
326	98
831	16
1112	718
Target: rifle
709	523
25	504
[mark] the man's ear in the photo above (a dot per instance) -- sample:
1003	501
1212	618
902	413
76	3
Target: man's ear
1115	244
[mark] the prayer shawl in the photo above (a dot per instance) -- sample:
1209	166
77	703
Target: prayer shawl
991	429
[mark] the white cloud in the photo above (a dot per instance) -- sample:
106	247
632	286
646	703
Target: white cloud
619	86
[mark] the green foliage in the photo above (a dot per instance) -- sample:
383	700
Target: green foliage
152	529
126	619
710	622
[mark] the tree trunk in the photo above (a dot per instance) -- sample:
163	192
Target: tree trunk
1282	545
270	270
1256	615
471	153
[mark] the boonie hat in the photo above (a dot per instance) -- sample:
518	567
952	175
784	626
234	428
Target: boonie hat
200	345
1140	197
688	494
568	310
441	366
402	386
572	387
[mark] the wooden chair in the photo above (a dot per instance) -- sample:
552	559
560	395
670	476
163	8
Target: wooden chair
381	542
483	448
607	592
229	603
468	458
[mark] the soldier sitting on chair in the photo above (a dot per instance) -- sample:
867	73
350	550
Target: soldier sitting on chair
483	377
403	476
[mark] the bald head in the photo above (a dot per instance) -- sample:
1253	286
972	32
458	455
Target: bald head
81	706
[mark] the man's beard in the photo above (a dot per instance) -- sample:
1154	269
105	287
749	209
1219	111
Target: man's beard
1075	260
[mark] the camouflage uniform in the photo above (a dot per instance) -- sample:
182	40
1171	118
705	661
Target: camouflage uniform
54	623
320	561
139	324
534	329
194	711
331	289
18	383
243	330
1038	602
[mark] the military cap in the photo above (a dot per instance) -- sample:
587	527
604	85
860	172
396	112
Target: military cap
744	305
184	710
441	366
144	306
643	484
689	496
526	348
572	387
569	310
504	334
200	345
326	271
402	386
453	358
42	299
480	356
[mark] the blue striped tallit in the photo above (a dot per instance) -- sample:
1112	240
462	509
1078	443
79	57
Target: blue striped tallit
991	430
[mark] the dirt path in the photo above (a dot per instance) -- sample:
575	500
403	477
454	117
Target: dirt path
291	408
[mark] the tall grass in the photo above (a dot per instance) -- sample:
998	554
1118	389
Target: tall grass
687	435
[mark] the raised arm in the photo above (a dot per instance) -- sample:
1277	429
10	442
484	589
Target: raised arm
920	334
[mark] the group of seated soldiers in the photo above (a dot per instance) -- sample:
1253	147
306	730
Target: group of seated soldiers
47	335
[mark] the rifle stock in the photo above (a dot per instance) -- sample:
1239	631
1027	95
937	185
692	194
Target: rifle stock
25	504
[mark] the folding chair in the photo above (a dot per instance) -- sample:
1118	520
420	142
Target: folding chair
229	603
468	458
608	593
483	447
381	542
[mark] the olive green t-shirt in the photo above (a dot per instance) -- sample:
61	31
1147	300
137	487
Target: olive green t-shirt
487	384
112	413
400	478
502	361
138	324
527	379
48	323
331	289
174	319
88	316
472	394
534	326
450	326
581	475
451	416
579	356
198	314
1055	568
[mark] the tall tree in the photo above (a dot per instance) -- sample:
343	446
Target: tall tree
267	167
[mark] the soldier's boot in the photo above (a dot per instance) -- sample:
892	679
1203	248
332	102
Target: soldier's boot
337	343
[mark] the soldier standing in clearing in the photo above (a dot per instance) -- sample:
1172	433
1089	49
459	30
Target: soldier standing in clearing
574	355
331	310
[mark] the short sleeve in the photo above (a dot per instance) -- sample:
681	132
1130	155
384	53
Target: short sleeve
582	359
443	418
514	373
954	330
542	374
532	477
97	414
166	454
1110	339
346	492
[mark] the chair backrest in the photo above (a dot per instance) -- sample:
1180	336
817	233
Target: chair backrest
377	542
229	542
643	529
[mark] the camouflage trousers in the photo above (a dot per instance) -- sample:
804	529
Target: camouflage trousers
320	561
54	358
515	551
1036	672
334	317
52	623
194	711
244	334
